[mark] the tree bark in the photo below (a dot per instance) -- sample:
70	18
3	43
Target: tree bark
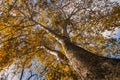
89	66
60	56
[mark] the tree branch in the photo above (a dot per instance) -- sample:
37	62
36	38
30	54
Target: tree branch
52	52
32	76
48	30
60	56
64	28
21	76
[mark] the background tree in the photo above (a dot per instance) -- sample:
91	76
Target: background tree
61	32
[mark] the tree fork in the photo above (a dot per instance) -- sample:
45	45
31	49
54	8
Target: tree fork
60	56
87	65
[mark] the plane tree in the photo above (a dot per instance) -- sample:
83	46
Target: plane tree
61	32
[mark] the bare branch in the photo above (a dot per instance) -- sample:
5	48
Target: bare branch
22	74
32	76
12	6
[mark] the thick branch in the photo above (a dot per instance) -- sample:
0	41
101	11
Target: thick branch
53	52
56	36
56	53
64	31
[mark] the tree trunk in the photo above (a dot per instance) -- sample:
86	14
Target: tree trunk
89	66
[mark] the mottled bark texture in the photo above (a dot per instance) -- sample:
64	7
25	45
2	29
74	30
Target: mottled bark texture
89	66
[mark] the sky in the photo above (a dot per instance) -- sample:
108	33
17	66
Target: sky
116	35
107	34
27	72
110	34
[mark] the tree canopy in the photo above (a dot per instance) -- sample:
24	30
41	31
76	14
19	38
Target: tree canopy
27	28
